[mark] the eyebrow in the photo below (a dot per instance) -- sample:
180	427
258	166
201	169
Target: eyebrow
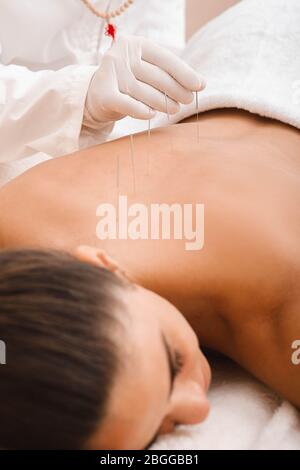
170	363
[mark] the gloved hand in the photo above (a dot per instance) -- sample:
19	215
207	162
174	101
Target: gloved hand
134	75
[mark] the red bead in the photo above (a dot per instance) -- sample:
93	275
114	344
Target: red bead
111	30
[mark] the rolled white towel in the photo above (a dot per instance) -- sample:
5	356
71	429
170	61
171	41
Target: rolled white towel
250	58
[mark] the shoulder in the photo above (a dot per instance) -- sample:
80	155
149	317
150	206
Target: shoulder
275	354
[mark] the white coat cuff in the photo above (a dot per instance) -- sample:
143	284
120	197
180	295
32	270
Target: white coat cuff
91	123
78	85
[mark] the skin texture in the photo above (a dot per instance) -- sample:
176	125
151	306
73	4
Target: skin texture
239	294
147	317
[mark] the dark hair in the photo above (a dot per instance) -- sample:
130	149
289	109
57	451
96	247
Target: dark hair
58	319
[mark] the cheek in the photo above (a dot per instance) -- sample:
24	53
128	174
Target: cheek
145	427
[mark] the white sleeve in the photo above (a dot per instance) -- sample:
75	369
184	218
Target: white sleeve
42	111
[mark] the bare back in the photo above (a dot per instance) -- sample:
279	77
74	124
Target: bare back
240	292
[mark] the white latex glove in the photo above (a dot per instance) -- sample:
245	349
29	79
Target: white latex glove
134	75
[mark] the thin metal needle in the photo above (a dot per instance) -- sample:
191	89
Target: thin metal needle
132	163
167	111
167	108
118	183
118	172
148	146
197	109
131	136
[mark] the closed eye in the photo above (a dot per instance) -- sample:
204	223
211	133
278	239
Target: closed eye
178	363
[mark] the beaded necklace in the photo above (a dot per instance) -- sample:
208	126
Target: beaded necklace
110	28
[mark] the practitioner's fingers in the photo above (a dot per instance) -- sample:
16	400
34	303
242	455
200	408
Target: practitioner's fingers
161	81
143	92
129	106
172	64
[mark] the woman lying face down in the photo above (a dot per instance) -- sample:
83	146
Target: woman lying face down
94	360
238	295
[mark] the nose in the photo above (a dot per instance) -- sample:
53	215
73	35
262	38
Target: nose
206	373
193	407
190	406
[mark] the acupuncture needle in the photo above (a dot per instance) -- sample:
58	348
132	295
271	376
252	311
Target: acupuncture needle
197	109
167	108
131	146
118	172
148	149
132	162
118	183
167	111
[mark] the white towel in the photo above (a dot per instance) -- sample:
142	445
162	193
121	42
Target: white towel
245	415
250	58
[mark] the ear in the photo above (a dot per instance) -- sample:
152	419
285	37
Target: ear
95	256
